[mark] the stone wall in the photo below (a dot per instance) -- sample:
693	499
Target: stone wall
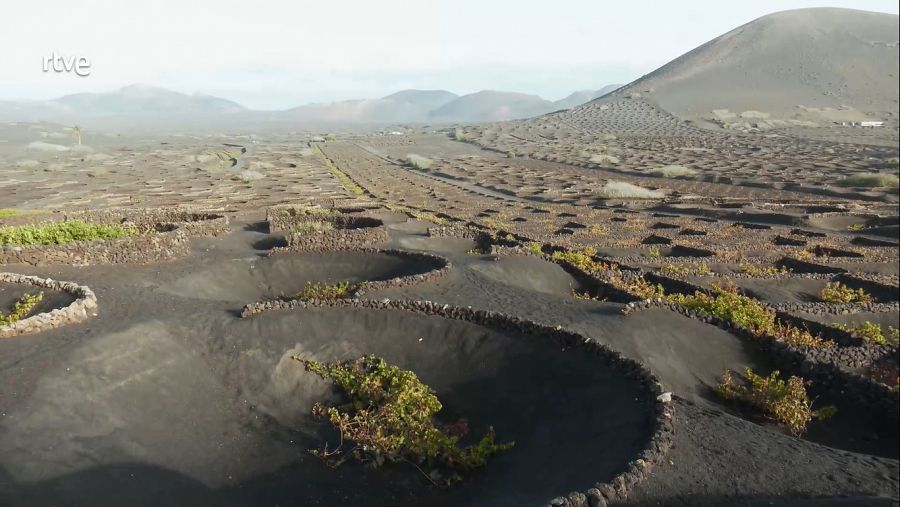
822	308
142	249
284	218
336	239
452	231
603	493
84	306
440	264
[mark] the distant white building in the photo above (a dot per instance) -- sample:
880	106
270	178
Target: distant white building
871	124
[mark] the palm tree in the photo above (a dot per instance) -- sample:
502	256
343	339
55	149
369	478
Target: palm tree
76	131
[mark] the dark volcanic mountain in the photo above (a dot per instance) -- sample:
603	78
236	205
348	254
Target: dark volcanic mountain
841	59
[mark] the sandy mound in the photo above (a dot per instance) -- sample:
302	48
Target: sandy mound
246	280
49	147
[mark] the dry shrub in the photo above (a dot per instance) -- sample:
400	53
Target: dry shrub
418	161
604	159
624	190
672	171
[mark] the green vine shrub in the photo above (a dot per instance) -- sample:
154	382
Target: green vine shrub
582	259
58	233
784	401
728	304
21	309
837	293
313	227
340	290
389	417
872	332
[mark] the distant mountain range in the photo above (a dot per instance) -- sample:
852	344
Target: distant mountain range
404	106
407	106
134	100
443	106
805	66
142	99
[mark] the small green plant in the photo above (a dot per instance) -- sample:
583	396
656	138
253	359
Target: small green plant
801	254
313	227
728	304
754	270
312	211
871	332
838	293
429	217
390	417
856	227
701	268
58	233
21	309
654	251
643	289
329	137
799	337
535	248
340	290
7	212
582	259
783	401
497	224
675	269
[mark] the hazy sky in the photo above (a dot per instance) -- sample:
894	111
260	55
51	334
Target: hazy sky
277	54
